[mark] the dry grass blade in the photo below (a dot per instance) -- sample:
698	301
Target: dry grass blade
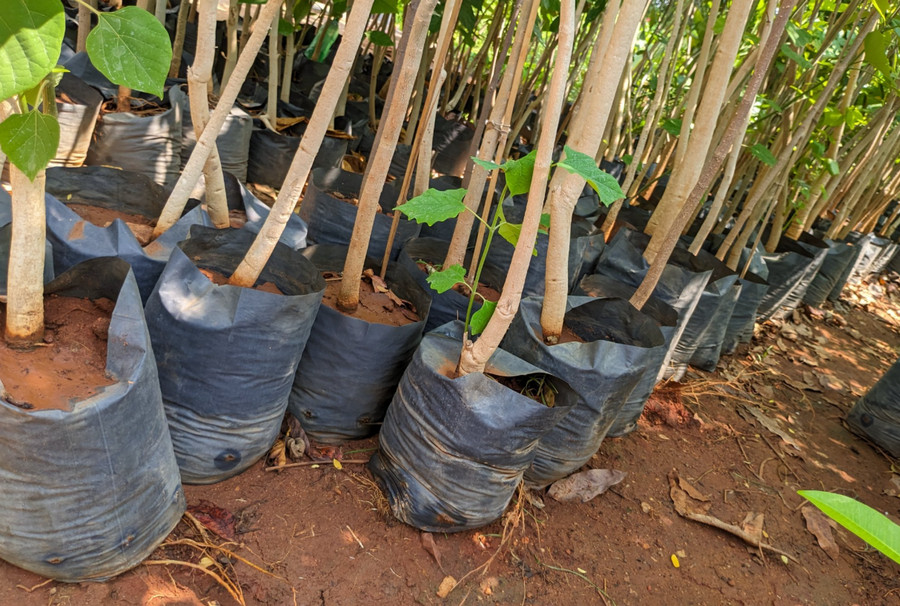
233	590
227	552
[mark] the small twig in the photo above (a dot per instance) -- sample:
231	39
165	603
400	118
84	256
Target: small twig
312	463
361	546
38	586
606	599
221	581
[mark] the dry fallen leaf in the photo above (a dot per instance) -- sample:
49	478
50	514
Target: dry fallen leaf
277	454
772	426
691	490
218	520
585	485
818	524
829	382
447	585
430	547
753	525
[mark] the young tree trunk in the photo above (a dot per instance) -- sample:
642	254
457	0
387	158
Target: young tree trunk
737	123
231	41
475	355
161	11
384	146
272	96
288	68
206	142
199	78
247	273
588	125
495	127
84	24
25	279
180	30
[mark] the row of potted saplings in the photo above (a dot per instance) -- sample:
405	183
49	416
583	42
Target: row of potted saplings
230	361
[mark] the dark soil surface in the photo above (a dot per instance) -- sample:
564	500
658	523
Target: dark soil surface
741	441
69	365
140	226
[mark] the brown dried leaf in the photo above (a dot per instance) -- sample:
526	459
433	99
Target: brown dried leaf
772	426
277	454
216	519
818	524
691	490
585	485
765	391
810	382
430	547
683	506
829	382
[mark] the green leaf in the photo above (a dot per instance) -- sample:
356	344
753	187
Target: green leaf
832	117
30	140
511	232
518	173
444	280
794	56
481	317
876	45
285	27
301	10
606	186
832	167
868	524
31	35
379	38
380	7
883	7
485	164
131	48
671	126
817	148
544	226
762	153
434	206
338	8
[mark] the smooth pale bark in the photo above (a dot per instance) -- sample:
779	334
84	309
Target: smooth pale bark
422	141
385	144
178	42
199	79
686	175
247	273
497	124
161	11
25	279
206	142
474	356
736	126
586	133
84	24
288	68
271	117
231	41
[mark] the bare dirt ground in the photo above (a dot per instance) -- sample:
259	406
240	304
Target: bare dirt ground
740	442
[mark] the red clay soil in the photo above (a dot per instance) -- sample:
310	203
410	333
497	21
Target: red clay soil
745	437
220	279
375	306
140	226
70	365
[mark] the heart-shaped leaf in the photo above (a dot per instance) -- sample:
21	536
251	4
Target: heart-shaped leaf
434	206
30	140
31	35
379	38
511	232
444	280
481	317
583	165
131	48
518	173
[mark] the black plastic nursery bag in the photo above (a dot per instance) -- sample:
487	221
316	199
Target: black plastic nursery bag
876	415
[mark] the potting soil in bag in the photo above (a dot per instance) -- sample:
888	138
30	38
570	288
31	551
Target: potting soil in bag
452	451
147	144
75	240
452	304
227	355
329	209
664	316
77	117
876	415
839	255
603	366
233	141
680	286
351	367
90	492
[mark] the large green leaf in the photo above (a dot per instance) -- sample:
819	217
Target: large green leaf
30	140
481	317
876	44
444	280
131	48
518	173
302	9
384	6
671	126
379	38
606	186
868	524
762	153
434	206
31	35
